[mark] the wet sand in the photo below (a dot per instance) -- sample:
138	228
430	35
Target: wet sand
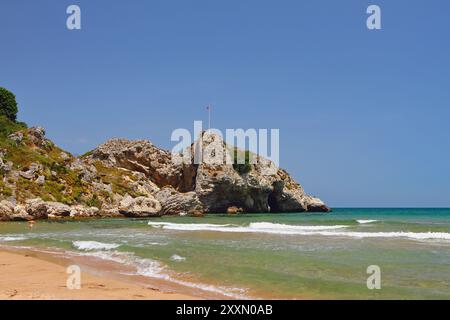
28	276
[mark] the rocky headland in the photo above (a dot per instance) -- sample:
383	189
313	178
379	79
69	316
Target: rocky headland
122	178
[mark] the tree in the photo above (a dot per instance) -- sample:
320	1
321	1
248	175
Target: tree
8	104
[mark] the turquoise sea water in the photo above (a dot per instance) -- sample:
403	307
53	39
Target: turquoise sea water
288	256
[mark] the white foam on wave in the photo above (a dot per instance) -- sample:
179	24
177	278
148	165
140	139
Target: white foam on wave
400	234
12	238
267	226
366	221
255	227
177	258
187	226
94	245
154	269
283	229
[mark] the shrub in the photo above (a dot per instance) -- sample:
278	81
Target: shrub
87	154
94	202
59	168
8	126
242	168
8	104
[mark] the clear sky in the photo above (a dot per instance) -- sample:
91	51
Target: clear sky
363	115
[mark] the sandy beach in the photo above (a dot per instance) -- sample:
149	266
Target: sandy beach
24	276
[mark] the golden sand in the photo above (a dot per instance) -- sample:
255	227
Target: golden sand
25	276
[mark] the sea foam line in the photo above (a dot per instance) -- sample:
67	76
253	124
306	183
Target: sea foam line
154	269
257	227
366	221
283	229
12	238
94	245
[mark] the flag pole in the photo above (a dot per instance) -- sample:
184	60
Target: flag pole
209	117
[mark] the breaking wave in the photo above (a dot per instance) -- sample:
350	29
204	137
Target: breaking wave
13	238
177	258
365	221
188	226
400	234
94	245
155	269
256	227
283	229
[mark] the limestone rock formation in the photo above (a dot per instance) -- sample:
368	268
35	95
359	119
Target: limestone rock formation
17	137
37	136
79	211
140	207
13	212
38	180
140	156
314	204
264	188
6	210
174	202
35	209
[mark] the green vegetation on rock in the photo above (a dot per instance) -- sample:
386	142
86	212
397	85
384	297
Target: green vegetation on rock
8	104
123	177
242	168
8	126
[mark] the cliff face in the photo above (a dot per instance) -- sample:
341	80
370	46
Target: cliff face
260	187
136	179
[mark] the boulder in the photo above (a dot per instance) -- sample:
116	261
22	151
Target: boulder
234	210
36	208
110	210
58	210
6	210
39	209
174	202
11	212
316	205
84	212
20	213
65	156
196	213
87	172
40	180
5	167
17	137
140	207
32	172
37	136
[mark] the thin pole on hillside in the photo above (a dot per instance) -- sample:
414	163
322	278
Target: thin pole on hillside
208	108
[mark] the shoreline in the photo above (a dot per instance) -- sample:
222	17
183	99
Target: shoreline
32	275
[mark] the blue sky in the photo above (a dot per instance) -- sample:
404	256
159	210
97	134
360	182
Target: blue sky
363	115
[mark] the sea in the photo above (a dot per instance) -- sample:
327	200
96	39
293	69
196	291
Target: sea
350	253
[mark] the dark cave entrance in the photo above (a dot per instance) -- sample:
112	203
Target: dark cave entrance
273	202
275	196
